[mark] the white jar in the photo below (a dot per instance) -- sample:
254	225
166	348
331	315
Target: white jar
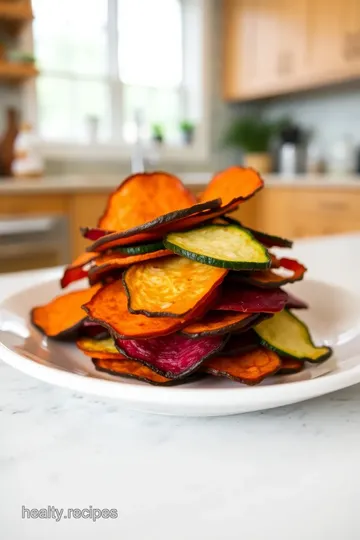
288	159
27	162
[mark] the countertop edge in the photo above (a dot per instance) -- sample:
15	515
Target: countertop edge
70	184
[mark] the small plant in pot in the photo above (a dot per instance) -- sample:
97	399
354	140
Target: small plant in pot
187	129
253	135
158	133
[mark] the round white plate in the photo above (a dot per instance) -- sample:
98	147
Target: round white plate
334	318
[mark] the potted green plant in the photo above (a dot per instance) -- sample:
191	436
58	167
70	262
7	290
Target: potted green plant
20	57
187	129
253	134
158	133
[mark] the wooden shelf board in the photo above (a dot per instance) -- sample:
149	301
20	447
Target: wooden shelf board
13	11
13	71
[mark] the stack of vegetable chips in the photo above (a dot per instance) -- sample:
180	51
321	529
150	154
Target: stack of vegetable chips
178	289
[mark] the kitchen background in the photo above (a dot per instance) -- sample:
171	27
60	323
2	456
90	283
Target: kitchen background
91	89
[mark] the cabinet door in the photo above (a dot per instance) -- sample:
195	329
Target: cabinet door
265	46
352	35
84	211
281	42
267	43
332	35
300	212
291	57
239	35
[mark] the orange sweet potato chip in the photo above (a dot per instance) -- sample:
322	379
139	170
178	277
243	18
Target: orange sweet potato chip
271	279
111	262
149	231
77	269
290	365
63	316
109	308
274	261
248	368
143	197
233	185
218	323
170	287
130	369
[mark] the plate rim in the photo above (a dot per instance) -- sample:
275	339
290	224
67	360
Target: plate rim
181	396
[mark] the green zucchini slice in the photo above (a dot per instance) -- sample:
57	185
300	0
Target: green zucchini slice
287	335
269	240
225	246
139	249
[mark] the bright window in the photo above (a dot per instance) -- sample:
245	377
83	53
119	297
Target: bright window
104	63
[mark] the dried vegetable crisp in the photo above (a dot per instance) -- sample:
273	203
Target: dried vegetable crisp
177	288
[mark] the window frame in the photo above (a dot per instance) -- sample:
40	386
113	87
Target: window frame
120	150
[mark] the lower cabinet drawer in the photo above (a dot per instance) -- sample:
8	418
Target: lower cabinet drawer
298	213
324	213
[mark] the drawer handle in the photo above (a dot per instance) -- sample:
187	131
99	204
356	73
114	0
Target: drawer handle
333	205
284	63
351	49
26	225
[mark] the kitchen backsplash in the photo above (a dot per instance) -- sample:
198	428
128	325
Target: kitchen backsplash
329	114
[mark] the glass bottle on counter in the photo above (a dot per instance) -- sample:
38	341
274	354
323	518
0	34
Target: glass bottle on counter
342	156
291	154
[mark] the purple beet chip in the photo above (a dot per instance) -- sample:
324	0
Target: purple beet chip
173	356
93	330
252	300
295	303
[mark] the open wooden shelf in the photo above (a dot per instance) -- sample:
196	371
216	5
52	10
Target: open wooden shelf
15	11
17	72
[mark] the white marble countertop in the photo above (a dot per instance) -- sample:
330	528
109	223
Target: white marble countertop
101	183
290	473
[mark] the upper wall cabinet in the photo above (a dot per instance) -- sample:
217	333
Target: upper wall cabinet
277	46
333	40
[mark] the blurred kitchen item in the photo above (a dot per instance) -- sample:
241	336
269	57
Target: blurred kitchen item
92	127
260	161
158	134
137	156
29	242
314	158
20	57
28	162
342	156
2	51
7	142
187	130
291	152
253	135
357	169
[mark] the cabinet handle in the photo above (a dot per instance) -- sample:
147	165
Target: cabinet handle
333	205
351	48
284	63
346	47
356	39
